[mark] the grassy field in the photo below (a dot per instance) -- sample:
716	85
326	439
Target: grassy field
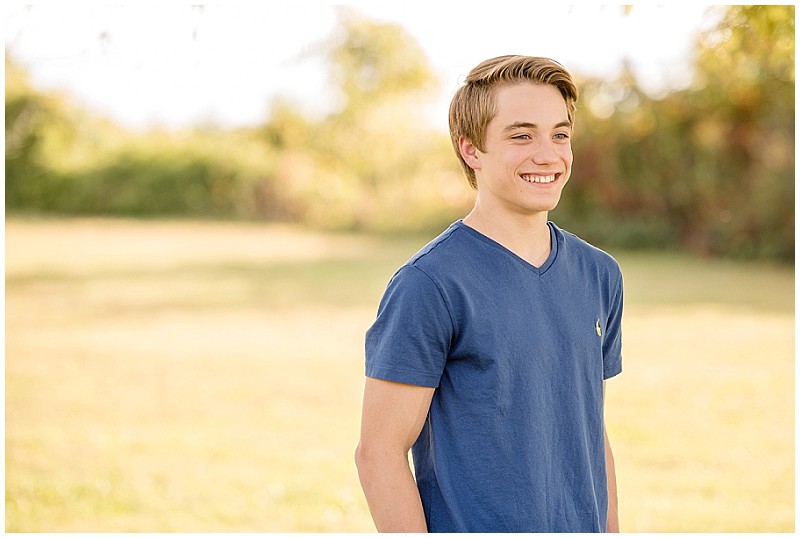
197	376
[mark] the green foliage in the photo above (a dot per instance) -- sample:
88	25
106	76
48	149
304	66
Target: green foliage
372	163
160	184
707	168
26	113
373	61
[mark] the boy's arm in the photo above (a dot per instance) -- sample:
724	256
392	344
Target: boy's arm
392	417
613	515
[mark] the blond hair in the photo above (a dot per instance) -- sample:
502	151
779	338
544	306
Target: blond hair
473	105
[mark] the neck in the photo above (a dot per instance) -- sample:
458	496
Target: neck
527	236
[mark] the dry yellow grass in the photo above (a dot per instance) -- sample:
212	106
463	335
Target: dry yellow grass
703	421
176	376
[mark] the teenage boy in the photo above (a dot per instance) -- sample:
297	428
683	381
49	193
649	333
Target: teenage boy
490	351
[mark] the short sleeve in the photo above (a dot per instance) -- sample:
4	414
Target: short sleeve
612	344
410	339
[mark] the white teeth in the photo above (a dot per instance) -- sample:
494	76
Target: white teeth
538	179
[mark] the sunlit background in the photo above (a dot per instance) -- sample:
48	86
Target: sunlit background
177	65
204	204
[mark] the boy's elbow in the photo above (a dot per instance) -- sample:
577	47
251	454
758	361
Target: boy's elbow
369	459
362	459
357	457
365	466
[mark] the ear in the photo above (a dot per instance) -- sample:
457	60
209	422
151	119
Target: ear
469	152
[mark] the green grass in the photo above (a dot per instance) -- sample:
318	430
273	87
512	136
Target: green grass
198	376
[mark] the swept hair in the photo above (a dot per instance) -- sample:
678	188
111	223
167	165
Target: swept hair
473	105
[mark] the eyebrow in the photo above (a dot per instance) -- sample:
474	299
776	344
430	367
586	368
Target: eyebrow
529	125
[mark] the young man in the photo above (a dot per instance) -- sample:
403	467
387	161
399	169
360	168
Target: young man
492	344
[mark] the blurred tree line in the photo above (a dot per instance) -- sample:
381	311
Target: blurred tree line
708	168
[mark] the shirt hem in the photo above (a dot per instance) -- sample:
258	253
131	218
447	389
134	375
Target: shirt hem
403	376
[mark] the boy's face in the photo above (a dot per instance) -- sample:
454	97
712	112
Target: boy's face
528	154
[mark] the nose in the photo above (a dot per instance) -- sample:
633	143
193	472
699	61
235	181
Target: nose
544	153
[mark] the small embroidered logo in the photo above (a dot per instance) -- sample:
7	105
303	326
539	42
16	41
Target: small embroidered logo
597	328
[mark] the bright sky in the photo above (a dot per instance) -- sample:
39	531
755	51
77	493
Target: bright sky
169	64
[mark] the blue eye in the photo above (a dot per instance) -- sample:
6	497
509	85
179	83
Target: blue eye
562	136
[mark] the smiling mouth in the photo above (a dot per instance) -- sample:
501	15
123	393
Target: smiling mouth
533	178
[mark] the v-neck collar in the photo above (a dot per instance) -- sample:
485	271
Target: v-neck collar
491	242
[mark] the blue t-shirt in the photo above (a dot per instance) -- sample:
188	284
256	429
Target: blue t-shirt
513	441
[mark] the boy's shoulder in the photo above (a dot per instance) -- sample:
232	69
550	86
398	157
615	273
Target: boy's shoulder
442	249
578	249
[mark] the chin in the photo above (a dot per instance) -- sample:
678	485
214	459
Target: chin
549	205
